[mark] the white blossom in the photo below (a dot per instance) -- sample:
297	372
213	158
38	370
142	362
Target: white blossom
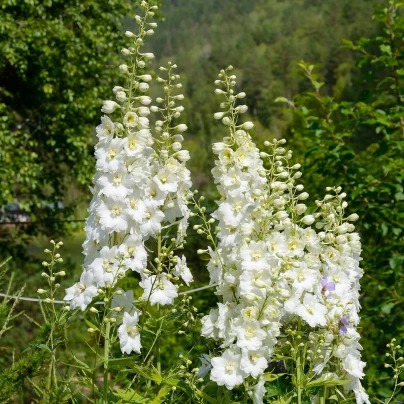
128	333
226	369
81	293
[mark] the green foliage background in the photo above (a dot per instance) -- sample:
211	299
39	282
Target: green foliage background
343	119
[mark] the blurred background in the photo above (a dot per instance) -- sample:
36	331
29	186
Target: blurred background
341	111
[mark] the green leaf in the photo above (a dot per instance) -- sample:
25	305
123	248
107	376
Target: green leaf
281	99
172	382
206	397
43	346
327	381
161	394
156	376
90	324
130	396
386	49
386	307
272	376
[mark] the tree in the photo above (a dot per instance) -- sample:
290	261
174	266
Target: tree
55	59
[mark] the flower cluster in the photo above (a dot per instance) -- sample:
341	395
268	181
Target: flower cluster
273	271
141	189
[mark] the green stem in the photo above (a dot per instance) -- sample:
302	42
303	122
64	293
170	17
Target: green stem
245	400
106	357
298	380
298	370
158	343
154	342
323	395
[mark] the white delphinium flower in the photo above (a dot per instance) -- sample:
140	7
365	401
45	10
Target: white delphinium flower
81	293
158	290
273	270
253	362
109	155
259	391
311	311
134	253
112	216
116	186
182	270
226	369
129	335
141	191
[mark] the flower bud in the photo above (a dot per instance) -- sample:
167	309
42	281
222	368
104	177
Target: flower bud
108	107
301	208
218	115
218	147
241	109
143	111
41	291
303	196
181	128
308	220
130	34
143	87
284	293
123	68
177	146
352	218
145	77
183	155
144	99
148	55
227	121
247	125
121	96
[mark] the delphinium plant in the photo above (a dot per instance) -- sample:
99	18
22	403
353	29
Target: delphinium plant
285	329
137	224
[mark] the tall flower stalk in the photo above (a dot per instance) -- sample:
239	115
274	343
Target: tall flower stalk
289	294
138	215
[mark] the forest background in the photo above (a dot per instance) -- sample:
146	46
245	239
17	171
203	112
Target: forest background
341	113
